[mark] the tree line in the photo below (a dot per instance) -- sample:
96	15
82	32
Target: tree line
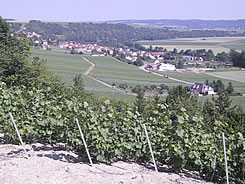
113	34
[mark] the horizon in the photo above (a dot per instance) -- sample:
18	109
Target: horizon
93	21
108	10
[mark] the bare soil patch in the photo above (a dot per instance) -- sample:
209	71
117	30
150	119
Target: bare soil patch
54	164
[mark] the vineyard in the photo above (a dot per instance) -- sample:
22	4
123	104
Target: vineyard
184	133
116	132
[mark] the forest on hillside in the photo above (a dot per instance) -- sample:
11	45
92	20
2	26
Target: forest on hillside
112	34
188	24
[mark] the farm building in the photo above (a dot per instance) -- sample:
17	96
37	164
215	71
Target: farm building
191	58
165	66
152	66
202	89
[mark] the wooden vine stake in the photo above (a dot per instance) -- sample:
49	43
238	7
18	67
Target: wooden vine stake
149	143
84	142
17	131
226	166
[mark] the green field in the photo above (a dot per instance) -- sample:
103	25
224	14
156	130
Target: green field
217	44
236	77
111	71
64	65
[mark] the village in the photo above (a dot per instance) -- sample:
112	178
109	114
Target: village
149	61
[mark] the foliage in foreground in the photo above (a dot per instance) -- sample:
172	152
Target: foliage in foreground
116	132
182	136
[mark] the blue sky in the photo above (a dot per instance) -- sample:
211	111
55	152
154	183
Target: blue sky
101	10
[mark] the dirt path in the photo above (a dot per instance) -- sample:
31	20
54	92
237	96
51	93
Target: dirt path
90	68
97	80
161	75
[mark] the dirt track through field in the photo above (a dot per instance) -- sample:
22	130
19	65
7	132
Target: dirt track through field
161	75
90	69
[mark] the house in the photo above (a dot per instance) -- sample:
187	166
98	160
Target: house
188	58
202	89
157	62
191	58
33	34
200	59
165	66
157	53
152	66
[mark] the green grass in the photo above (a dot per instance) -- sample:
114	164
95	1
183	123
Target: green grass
217	44
178	43
237	79
112	71
230	75
66	66
61	64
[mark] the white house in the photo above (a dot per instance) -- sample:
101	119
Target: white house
202	89
165	66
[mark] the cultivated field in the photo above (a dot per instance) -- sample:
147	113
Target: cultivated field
66	66
231	75
62	64
236	77
217	44
112	71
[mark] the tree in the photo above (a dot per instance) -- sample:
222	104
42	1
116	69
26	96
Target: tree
223	102
78	85
223	57
150	49
122	56
179	98
13	57
175	51
220	86
73	51
210	55
188	52
230	88
123	86
180	64
140	102
138	62
217	85
114	53
238	59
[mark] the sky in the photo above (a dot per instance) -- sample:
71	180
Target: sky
103	10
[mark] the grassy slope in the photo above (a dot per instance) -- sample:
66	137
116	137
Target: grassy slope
239	86
66	66
111	71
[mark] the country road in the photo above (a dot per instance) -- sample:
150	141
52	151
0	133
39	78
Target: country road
90	69
161	75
